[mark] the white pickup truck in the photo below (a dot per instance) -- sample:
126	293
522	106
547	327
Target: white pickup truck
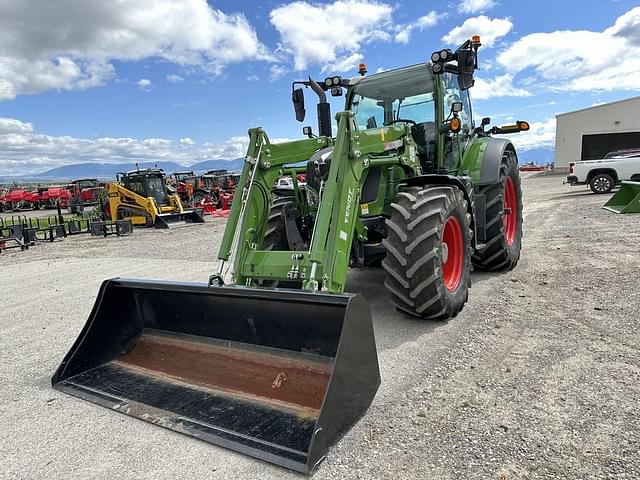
603	175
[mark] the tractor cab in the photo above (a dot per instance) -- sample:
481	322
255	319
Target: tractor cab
147	183
83	183
431	98
219	180
183	177
407	95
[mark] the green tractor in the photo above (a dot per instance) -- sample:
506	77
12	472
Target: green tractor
408	182
271	358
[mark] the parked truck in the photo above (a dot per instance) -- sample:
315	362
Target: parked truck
604	174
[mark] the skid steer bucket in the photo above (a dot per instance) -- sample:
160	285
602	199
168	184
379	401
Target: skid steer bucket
625	200
178	219
276	374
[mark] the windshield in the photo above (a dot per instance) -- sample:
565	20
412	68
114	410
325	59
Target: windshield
403	94
86	183
155	188
149	186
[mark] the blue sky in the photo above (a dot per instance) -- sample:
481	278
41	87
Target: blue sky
183	80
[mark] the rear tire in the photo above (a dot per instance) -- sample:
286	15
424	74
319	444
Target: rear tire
275	236
602	183
503	230
429	267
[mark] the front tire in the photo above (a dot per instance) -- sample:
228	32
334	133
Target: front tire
428	261
602	183
503	220
198	198
275	236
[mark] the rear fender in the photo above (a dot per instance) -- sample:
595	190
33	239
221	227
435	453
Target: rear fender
463	183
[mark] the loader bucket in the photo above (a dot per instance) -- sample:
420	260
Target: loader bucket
276	374
178	219
625	200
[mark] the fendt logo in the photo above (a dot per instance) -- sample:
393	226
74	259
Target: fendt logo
347	211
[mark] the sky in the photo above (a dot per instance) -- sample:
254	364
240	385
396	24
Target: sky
182	80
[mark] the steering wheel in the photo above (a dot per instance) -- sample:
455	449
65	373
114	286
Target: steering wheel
401	120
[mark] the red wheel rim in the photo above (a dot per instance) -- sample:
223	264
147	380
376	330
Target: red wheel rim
453	259
510	216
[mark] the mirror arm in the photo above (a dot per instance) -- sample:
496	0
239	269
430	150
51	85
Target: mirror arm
318	89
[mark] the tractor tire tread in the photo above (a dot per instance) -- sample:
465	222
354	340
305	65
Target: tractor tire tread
413	263
496	253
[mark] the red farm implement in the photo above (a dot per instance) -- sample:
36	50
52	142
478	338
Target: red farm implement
51	196
20	199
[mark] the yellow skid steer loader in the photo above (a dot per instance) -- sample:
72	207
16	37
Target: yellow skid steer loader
142	196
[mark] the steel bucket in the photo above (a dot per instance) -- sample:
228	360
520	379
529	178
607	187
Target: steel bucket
276	374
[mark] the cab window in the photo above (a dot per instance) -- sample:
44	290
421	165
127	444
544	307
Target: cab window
404	94
452	93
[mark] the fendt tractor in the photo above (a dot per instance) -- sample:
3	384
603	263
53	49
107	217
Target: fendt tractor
142	195
271	358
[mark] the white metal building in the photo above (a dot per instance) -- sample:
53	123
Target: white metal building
593	132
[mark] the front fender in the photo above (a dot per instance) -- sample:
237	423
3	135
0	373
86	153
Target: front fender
482	159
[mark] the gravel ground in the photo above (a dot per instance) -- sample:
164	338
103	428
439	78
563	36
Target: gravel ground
538	377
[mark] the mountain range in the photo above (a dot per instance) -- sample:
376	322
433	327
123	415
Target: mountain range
107	171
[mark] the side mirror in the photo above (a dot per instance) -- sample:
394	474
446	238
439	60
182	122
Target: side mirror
485	121
466	69
307	131
298	104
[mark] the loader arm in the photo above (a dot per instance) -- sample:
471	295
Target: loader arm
326	261
324	265
338	212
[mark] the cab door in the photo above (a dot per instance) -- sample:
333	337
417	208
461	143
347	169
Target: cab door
454	143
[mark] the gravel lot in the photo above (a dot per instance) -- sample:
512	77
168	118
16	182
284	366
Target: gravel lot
538	377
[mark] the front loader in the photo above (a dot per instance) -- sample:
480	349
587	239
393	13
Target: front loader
143	196
271	358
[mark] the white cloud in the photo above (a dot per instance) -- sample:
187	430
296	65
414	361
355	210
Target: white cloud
253	78
540	134
476	6
70	45
326	33
581	60
489	29
173	78
345	64
24	150
144	84
277	71
427	21
500	86
13	126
